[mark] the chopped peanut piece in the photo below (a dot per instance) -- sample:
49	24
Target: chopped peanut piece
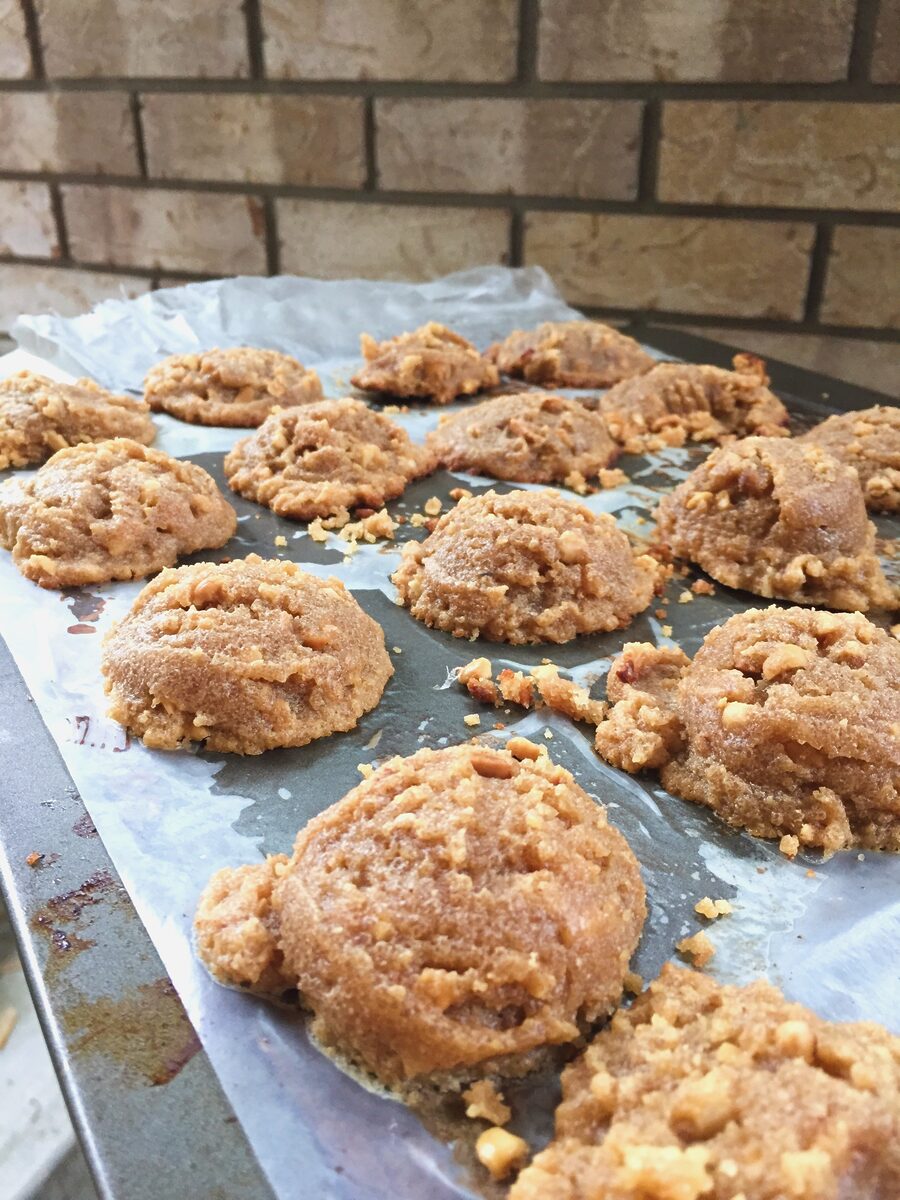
520	747
472	719
712	908
485	1103
365	769
501	1152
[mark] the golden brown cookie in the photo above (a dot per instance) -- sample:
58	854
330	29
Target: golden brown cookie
786	722
110	510
527	438
870	441
676	403
705	1092
319	459
39	416
576	354
525	567
431	363
244	656
778	518
455	913
238	386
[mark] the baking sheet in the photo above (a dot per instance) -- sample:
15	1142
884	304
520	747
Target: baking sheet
825	932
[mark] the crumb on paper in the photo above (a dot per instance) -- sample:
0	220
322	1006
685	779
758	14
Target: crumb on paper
433	506
500	1151
860	858
699	949
612	477
370	528
577	482
810	874
686	597
280	540
543	688
702	587
711	909
485	1103
417	520
396	649
34	858
365	769
460	493
472	719
662	613
8	1019
634	983
789	845
666	630
521	747
548	734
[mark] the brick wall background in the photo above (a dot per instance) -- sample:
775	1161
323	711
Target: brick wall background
725	164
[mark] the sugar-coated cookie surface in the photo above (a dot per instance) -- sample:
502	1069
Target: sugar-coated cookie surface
459	910
869	441
110	510
577	354
705	1092
39	416
430	363
245	656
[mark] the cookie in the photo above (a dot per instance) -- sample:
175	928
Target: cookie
245	656
527	438
322	458
674	403
431	363
238	386
39	416
778	518
525	567
576	354
110	510
709	1092
787	722
869	441
455	913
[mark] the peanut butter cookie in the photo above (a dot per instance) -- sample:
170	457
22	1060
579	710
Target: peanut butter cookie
676	403
780	518
110	510
870	441
244	656
576	354
431	363
787	722
705	1092
454	914
527	438
39	416
525	567
319	459
237	386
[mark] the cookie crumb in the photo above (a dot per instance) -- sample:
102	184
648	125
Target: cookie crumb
702	587
634	983
520	747
699	949
460	493
34	858
500	1151
472	719
433	506
612	478
709	908
548	734
485	1103
686	597
577	482
396	649
316	530
789	845
666	630
280	540
416	519
365	769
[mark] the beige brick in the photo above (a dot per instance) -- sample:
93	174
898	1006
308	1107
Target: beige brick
586	148
15	57
382	241
683	40
886	53
862	286
32	289
265	139
143	38
794	154
461	40
27	226
67	131
675	264
175	230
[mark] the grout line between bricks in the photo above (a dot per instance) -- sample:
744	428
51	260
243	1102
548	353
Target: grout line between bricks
648	163
134	104
516	238
59	218
255	45
33	35
818	269
370	145
863	45
526	64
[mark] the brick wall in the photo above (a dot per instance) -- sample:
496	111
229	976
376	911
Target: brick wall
730	163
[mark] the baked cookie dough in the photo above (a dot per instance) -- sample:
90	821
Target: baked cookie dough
778	518
39	416
244	656
238	386
528	438
870	441
710	1092
110	510
576	354
324	458
674	403
455	913
787	722
431	363
525	567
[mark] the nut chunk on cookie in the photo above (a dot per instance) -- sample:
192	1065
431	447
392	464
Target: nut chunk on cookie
431	363
39	416
679	402
870	442
323	458
244	656
451	917
704	1092
238	386
576	354
110	510
525	567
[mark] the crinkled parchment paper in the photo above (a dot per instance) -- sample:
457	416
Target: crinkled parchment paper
825	932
